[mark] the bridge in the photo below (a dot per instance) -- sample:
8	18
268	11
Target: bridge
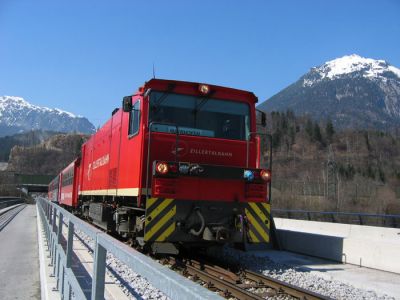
36	183
77	258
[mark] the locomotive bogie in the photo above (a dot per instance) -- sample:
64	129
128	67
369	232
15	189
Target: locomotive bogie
212	221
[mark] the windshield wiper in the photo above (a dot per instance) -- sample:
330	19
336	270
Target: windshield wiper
203	101
156	106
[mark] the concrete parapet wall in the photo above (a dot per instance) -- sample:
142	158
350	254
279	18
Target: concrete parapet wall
368	246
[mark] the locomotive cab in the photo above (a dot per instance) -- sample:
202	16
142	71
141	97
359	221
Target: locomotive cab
201	167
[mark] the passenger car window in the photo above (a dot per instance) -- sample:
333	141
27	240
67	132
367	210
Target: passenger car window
134	118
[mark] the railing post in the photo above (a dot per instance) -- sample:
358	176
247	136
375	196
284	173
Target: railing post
62	283
54	219
48	213
47	226
56	270
70	242
59	231
58	258
53	258
45	221
68	292
54	238
52	233
52	211
99	270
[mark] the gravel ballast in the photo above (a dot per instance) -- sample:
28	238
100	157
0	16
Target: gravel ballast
137	287
290	274
132	284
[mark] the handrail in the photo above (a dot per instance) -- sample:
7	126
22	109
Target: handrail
148	150
270	155
53	219
7	203
248	146
332	214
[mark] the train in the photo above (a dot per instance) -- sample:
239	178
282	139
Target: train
177	166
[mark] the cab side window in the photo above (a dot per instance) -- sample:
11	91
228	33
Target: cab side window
134	119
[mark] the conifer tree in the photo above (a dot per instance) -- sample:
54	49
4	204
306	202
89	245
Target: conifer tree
330	131
309	129
317	133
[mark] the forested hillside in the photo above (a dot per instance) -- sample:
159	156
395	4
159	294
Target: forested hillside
49	157
316	166
26	139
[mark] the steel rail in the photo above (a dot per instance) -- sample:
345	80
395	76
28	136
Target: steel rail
229	289
282	287
212	270
232	284
217	271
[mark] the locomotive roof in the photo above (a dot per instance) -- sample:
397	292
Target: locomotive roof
165	84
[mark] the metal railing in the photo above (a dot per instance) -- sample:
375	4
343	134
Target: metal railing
52	216
9	201
340	217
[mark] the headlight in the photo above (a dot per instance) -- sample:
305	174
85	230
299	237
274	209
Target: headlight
248	175
162	168
265	175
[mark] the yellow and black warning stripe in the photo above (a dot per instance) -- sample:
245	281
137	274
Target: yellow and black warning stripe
258	221
159	223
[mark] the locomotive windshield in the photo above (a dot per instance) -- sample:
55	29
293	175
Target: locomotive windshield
199	116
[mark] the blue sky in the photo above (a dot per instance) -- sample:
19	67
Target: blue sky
84	56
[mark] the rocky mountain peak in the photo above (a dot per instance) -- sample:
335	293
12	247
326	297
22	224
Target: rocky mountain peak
352	91
352	66
18	115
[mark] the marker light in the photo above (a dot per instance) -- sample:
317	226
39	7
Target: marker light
265	175
248	175
184	168
162	168
204	89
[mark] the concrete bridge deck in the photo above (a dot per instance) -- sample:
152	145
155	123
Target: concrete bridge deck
19	258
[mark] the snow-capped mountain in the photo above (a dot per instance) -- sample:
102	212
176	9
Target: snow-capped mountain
352	65
352	91
18	115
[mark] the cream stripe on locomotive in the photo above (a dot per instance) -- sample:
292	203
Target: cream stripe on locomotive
159	222
114	192
258	217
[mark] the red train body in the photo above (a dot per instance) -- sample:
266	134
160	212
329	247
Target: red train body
54	189
179	163
69	184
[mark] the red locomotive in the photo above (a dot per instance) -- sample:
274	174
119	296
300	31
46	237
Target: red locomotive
178	164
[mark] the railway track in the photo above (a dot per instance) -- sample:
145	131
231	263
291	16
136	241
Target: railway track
8	215
244	285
